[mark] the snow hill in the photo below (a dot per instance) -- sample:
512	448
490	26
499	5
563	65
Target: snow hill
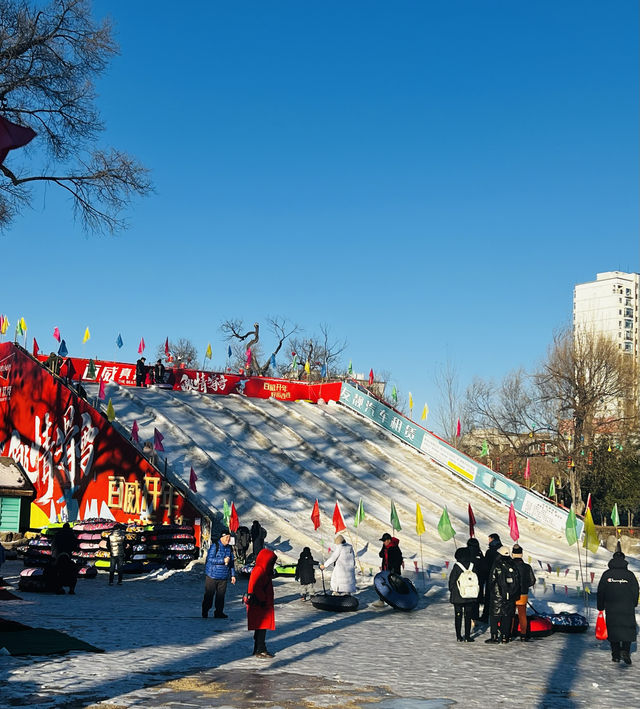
274	458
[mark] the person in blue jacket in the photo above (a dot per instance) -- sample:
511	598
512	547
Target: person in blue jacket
219	569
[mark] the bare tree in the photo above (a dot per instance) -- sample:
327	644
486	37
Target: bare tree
183	351
450	408
233	329
321	350
50	58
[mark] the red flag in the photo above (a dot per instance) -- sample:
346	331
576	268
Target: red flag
589	501
527	470
56	334
71	370
234	522
157	440
35	347
192	481
315	515
134	428
141	346
13	136
472	522
101	394
458	429
166	347
338	522
513	524
370	377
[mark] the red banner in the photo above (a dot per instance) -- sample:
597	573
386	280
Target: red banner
81	467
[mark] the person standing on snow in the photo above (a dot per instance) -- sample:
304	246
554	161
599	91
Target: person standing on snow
390	554
158	372
64	544
258	535
527	579
464	606
480	567
115	545
343	578
305	574
219	568
260	606
504	591
141	372
618	597
490	557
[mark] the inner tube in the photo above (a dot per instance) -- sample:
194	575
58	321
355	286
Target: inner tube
396	590
286	569
539	626
337	604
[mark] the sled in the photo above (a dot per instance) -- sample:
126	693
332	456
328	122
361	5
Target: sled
539	626
396	590
286	570
337	604
565	622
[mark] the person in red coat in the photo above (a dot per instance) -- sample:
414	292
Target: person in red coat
260	611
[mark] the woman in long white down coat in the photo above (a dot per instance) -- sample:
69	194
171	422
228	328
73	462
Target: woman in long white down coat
343	578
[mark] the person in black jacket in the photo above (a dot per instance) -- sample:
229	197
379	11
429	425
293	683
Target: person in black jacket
305	574
618	597
504	591
527	580
141	372
463	607
158	372
258	535
480	567
390	554
490	557
64	544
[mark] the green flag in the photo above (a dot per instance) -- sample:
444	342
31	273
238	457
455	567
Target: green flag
350	369
552	488
570	529
590	541
395	522
111	414
445	530
394	395
226	512
615	517
359	514
91	370
485	449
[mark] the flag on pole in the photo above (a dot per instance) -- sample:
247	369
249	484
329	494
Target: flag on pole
359	514
350	369
91	369
615	517
192	480
370	376
445	530
323	370
62	350
157	440
338	521
234	522
101	393
420	528
485	448
395	522
208	353
226	512
552	487
87	335
4	325
315	515
273	363
56	334
141	346
35	347
307	367
458	429
527	470
410	402
394	395
119	341
570	530
134	431
588	505
248	355
513	524
472	522
590	541
229	352
425	413
166	347
111	414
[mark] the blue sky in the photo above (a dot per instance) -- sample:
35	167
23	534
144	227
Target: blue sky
428	178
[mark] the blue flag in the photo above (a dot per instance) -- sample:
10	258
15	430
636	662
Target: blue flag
323	371
273	362
229	351
62	350
119	341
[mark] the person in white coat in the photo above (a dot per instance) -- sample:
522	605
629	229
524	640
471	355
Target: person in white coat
343	578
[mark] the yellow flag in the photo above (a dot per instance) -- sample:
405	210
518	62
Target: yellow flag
307	368
208	353
425	412
5	325
410	401
111	413
87	335
420	528
590	541
23	325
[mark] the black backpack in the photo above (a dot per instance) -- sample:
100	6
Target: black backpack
509	582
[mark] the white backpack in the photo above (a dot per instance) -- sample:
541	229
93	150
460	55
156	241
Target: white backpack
468	586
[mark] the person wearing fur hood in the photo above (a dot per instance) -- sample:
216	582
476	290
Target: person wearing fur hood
343	578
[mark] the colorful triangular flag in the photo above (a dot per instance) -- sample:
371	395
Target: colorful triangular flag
192	481
591	540
141	346
571	530
445	530
395	522
420	528
315	515
513	524
62	350
111	414
87	336
338	520
208	353
119	341
157	440
359	514
56	334
615	517
234	522
134	431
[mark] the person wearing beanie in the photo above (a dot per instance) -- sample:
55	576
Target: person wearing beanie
618	598
465	606
527	579
343	578
480	567
490	557
504	591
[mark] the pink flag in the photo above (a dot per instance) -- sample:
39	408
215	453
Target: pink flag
513	524
101	394
192	481
56	334
527	470
157	440
141	346
166	347
249	357
458	429
370	377
134	431
472	522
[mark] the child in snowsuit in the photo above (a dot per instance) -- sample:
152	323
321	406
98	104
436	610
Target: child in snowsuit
305	574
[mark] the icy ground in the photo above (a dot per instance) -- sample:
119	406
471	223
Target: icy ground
151	631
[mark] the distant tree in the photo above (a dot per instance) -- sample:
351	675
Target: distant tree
320	350
182	350
451	401
50	57
280	328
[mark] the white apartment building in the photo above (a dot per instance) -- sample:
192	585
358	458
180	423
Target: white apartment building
609	305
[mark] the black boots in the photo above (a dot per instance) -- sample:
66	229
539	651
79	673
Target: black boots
626	658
